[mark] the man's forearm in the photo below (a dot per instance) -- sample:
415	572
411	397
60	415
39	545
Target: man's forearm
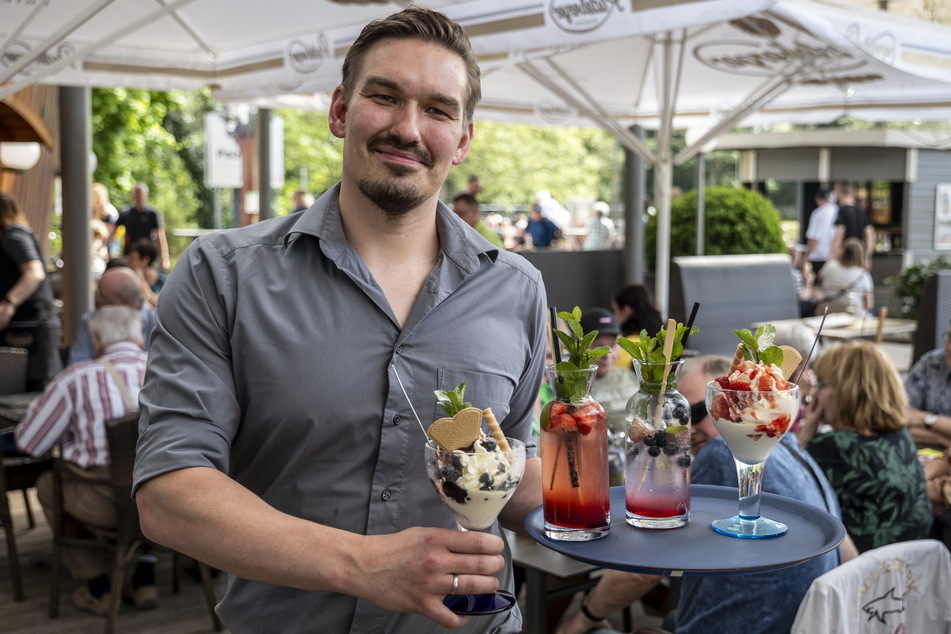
205	514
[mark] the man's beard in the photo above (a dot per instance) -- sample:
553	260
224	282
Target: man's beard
396	195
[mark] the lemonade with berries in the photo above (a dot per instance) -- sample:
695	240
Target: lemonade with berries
657	472
574	444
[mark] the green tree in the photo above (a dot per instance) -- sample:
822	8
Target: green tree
132	143
736	221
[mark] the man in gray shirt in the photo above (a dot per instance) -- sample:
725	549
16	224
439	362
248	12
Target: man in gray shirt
276	442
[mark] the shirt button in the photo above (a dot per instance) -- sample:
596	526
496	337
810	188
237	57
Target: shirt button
397	419
399	349
385	496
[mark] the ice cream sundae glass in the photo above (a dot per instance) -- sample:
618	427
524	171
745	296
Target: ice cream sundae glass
475	474
752	408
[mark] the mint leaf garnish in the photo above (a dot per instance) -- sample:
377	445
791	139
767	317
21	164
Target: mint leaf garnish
758	347
574	385
651	350
453	401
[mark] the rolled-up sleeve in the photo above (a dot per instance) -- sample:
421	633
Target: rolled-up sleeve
190	410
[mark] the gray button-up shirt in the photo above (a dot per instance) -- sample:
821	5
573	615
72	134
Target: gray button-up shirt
273	362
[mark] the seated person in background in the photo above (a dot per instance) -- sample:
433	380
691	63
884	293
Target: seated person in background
543	232
141	256
118	286
928	385
844	284
467	207
761	602
72	412
868	456
612	388
635	312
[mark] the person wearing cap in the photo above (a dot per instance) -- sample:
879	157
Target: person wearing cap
612	388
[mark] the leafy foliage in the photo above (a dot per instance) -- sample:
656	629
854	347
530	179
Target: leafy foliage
650	350
758	347
736	221
132	143
452	401
572	383
909	284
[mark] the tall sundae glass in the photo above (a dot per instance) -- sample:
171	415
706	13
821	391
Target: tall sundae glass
475	484
752	408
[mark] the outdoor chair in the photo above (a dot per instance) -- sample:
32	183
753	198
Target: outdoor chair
895	588
12	370
18	473
127	540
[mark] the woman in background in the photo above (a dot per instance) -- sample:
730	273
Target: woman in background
844	284
867	455
104	216
635	312
27	317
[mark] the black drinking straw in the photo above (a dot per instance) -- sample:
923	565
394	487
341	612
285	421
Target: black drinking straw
555	342
813	348
693	315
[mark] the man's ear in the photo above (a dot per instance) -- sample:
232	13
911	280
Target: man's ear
337	115
462	150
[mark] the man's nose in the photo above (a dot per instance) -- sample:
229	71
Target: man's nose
405	124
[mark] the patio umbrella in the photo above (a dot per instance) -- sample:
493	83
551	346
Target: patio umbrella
708	64
710	67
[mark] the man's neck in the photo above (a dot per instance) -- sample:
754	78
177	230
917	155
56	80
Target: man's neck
400	252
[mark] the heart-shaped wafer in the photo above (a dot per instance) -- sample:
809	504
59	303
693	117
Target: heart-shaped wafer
457	432
791	359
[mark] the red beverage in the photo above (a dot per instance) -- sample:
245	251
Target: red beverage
575	483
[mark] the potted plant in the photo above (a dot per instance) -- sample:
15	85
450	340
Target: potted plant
908	285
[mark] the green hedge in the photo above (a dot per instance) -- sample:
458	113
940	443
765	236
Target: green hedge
736	221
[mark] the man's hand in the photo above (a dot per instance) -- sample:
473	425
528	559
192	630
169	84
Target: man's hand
412	571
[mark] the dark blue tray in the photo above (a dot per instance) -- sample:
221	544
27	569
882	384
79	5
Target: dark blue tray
696	549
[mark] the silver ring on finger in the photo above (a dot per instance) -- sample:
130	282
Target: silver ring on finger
455	583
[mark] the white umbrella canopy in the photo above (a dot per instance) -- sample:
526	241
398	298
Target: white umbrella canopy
239	45
713	66
707	64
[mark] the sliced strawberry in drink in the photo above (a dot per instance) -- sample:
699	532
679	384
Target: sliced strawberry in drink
565	422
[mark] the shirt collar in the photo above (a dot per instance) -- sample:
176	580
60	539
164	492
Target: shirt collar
465	248
122	347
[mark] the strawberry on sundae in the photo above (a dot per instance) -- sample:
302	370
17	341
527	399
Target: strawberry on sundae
756	404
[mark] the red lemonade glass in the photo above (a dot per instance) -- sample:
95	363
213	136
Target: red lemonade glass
574	452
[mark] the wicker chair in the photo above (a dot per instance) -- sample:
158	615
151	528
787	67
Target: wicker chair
12	370
128	539
17	474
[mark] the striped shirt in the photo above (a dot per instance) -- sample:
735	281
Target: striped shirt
73	409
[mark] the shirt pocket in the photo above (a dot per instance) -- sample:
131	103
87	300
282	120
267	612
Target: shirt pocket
483	390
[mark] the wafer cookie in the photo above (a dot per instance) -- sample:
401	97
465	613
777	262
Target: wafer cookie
495	429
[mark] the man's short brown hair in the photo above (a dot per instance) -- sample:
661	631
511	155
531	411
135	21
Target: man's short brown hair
421	24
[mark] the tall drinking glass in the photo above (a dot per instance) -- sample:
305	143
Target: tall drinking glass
752	424
574	448
475	486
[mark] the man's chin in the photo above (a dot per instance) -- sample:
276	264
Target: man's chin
395	198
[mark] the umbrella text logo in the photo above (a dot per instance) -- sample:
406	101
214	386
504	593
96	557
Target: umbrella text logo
581	16
306	57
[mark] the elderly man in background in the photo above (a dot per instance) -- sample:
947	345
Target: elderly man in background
72	412
118	286
467	207
928	385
